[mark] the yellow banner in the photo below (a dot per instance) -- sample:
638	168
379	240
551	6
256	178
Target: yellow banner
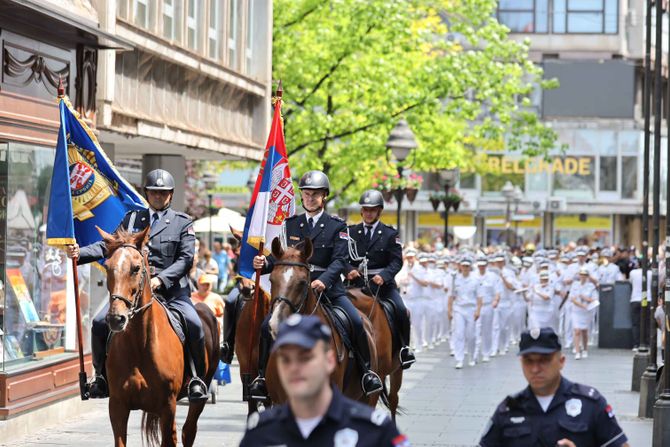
499	222
455	220
571	221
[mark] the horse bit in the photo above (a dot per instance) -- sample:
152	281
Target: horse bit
132	305
303	299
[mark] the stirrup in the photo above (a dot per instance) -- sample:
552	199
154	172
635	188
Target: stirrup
406	356
373	381
97	387
258	390
227	353
195	394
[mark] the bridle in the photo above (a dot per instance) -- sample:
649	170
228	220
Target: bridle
305	292
132	305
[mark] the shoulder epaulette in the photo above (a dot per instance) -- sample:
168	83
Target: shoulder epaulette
182	214
335	217
292	217
585	391
362	412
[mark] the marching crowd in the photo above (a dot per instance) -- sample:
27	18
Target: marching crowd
481	301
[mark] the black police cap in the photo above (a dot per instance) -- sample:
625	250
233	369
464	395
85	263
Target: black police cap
539	341
301	330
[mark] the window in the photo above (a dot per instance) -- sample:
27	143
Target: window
249	42
193	25
122	8
233	31
628	177
214	29
141	13
524	16
172	20
574	177
608	174
586	16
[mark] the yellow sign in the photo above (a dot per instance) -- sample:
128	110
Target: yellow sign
499	222
571	221
566	165
455	220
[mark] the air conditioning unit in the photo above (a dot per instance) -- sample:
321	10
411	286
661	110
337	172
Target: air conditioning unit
555	204
538	205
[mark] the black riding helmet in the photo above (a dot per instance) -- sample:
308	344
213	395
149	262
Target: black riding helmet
371	198
314	180
159	180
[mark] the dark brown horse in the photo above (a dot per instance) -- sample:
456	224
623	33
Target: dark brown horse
145	365
292	293
388	355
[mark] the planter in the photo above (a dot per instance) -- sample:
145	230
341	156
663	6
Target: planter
411	194
456	205
387	195
435	202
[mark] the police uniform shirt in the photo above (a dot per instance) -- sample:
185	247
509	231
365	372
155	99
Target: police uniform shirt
171	248
489	285
330	248
465	290
577	412
384	251
347	423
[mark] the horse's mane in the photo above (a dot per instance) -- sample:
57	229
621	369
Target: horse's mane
117	239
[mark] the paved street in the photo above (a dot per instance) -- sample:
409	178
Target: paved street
443	406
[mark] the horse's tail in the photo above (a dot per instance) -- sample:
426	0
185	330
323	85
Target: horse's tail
151	429
385	400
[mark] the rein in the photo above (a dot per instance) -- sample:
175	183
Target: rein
132	305
303	298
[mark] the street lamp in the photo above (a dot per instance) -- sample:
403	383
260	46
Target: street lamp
401	141
508	193
518	196
449	179
210	181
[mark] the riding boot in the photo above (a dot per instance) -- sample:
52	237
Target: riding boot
370	382
97	387
258	390
197	389
229	319
406	354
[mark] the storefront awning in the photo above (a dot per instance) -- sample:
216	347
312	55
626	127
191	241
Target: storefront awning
79	26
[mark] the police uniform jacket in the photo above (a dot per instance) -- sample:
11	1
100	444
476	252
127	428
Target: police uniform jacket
329	256
577	412
171	248
346	423
384	252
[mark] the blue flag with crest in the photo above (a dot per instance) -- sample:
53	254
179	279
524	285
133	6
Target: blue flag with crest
86	189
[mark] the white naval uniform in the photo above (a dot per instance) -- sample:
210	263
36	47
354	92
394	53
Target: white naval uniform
541	310
464	306
434	305
581	317
489	286
609	274
415	304
501	325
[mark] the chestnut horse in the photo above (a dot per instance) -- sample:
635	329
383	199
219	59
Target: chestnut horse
388	355
247	336
145	364
292	293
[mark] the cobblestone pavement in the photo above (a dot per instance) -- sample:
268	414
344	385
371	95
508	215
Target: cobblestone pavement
443	406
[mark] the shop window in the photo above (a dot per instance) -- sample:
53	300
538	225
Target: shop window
586	16
36	322
608	174
628	177
524	16
468	180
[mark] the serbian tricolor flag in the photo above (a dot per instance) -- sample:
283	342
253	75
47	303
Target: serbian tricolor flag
273	199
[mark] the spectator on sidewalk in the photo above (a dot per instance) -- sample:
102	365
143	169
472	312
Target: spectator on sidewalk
222	260
551	411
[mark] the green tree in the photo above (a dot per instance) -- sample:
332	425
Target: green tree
352	68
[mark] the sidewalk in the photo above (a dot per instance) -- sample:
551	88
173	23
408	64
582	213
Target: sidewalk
443	406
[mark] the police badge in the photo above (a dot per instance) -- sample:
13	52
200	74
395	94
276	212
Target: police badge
346	437
573	407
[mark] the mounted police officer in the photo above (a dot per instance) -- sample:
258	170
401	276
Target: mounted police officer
171	247
329	237
551	410
375	258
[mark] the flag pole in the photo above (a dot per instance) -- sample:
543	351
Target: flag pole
83	380
258	308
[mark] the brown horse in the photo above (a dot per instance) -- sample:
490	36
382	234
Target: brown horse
388	355
292	293
145	365
247	335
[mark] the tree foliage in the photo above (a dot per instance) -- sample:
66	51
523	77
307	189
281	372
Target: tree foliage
352	68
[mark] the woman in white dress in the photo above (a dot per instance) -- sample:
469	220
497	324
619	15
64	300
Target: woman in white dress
541	305
582	295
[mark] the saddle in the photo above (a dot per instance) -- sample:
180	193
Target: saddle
390	311
177	321
341	322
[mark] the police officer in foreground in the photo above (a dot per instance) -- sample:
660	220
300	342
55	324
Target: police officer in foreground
329	257
551	411
171	247
316	413
375	250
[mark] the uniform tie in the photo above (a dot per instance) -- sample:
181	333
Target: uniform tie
154	218
368	234
310	222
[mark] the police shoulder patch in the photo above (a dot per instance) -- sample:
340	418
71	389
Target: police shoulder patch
253	420
378	417
337	218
